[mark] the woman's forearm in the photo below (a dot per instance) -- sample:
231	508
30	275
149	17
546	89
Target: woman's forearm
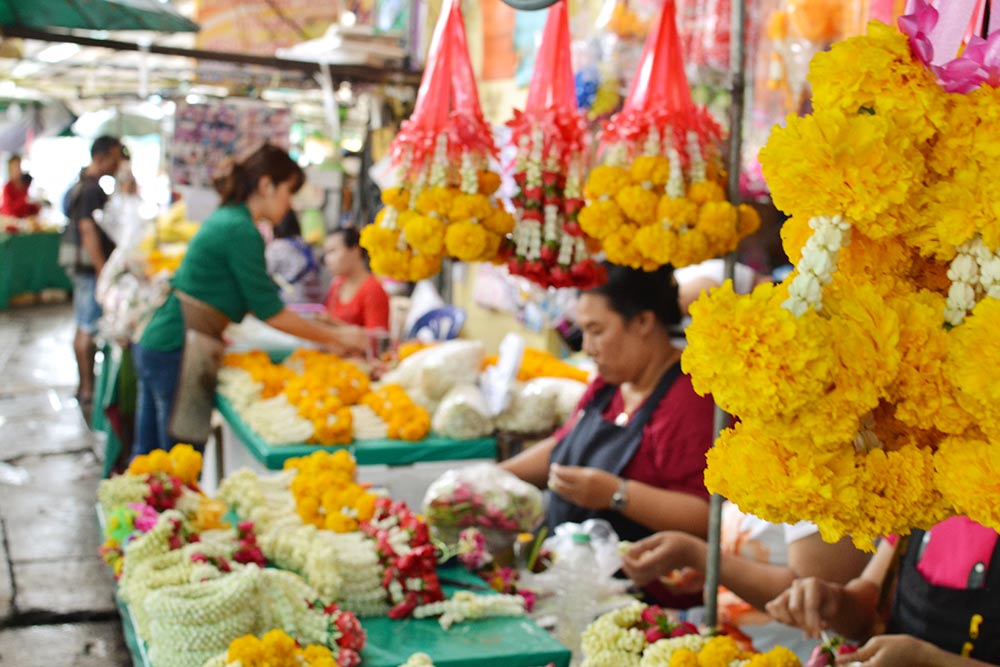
660	509
532	464
296	325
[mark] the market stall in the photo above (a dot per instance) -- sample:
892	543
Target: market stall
29	264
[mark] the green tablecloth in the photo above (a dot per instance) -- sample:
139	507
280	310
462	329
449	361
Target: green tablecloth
367	452
29	263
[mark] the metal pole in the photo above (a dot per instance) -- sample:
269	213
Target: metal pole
737	50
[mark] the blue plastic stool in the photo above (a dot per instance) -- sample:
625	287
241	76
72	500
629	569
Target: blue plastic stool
443	323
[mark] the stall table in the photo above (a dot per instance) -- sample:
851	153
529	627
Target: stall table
29	263
404	468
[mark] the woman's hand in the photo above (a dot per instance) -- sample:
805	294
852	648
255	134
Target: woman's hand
587	487
891	650
807	604
658	555
348	338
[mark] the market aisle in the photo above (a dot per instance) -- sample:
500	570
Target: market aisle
56	599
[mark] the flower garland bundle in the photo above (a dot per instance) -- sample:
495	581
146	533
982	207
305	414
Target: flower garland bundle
548	245
271	376
863	382
443	205
274	649
658	197
326	494
405	419
323	391
183	462
404	547
465	605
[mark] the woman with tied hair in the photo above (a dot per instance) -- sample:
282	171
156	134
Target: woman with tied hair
634	451
222	278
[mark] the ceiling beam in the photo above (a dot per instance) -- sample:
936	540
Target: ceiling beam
352	73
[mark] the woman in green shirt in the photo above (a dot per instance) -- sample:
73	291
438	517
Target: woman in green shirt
222	278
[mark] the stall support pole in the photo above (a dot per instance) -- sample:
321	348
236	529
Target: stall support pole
737	50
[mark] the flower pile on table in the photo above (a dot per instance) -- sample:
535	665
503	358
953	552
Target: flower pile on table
317	398
865	382
193	583
658	197
274	649
443	204
643	636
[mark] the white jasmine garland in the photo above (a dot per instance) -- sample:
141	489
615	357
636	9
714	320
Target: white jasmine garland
121	490
566	246
675	183
466	605
552	224
697	167
614	632
617	155
239	387
818	263
574	180
658	654
469	174
965	278
652	145
439	166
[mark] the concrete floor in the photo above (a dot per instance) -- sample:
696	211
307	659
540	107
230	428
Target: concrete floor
56	598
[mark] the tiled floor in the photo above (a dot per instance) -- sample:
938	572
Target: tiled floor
56	600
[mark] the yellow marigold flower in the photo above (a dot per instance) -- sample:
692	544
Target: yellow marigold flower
491	248
464	207
423	266
967	473
782	360
638	204
465	240
693	247
830	163
705	191
376	239
884	78
719	652
684	658
973	357
425	234
749	221
656	244
489	182
435	200
779	656
279	645
606	181
718	221
499	222
654	170
398	198
679	212
246	649
601	218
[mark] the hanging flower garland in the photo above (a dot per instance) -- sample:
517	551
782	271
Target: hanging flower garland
443	205
548	245
863	382
658	197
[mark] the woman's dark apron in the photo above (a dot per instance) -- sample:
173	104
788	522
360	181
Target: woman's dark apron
965	621
597	443
191	418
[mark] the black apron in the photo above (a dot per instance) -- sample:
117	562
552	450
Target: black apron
597	443
946	617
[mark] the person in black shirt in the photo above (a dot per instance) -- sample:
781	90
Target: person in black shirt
84	251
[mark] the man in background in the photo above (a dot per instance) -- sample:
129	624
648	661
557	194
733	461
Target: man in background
85	249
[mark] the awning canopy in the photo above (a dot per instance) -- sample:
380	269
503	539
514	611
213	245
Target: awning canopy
94	15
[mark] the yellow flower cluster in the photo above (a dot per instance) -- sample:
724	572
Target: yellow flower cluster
406	419
183	462
324	392
326	494
722	651
258	364
277	649
640	225
541	364
859	408
421	226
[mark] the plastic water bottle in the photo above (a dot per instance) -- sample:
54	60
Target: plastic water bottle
578	578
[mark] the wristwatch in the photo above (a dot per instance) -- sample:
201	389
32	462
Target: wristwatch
619	498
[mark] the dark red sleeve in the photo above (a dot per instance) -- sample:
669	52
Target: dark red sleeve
675	441
15	202
375	305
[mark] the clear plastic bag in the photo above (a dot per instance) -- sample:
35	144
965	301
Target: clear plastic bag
532	410
463	414
435	370
487	497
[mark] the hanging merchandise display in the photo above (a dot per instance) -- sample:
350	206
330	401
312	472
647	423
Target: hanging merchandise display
443	205
548	246
864	382
658	197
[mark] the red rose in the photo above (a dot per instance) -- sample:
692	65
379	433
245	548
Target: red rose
535	194
352	634
846	649
683	628
550	178
348	658
573	228
820	657
573	206
654	634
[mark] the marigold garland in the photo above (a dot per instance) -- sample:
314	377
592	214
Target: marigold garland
182	462
326	494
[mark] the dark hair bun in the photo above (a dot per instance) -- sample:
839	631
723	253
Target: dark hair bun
630	292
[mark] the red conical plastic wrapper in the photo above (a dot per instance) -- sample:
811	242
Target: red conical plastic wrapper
551	104
448	100
660	95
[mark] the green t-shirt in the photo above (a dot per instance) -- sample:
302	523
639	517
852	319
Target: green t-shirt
224	266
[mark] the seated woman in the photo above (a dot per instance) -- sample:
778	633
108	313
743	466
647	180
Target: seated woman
634	451
291	263
15	192
945	607
758	560
355	296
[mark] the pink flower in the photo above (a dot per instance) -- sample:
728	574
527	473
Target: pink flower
652	614
683	628
654	634
348	658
